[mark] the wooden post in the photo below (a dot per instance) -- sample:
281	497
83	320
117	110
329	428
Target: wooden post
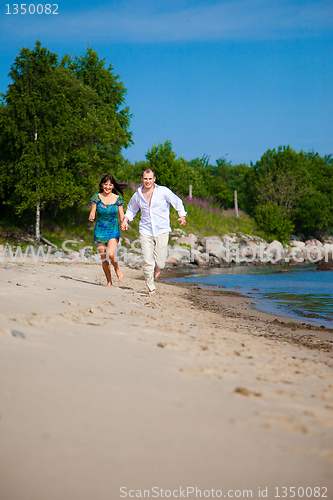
236	204
190	192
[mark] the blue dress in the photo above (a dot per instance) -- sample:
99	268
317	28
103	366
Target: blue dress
106	226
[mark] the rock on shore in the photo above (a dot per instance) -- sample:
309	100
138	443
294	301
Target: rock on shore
211	251
326	264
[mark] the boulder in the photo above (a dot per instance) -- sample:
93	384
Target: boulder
210	239
182	254
213	245
73	256
313	243
326	264
298	244
172	261
275	245
275	251
248	253
188	240
251	244
214	261
199	258
132	258
315	253
296	258
228	239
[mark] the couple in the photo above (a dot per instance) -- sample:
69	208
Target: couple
154	202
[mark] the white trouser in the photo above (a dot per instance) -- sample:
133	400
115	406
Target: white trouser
154	251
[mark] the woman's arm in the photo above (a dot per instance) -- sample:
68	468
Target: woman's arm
121	213
92	212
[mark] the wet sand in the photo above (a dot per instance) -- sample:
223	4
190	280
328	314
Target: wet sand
103	388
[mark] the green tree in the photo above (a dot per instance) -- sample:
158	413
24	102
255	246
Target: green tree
220	183
162	160
175	173
279	177
314	210
270	219
55	134
110	98
275	184
237	182
221	180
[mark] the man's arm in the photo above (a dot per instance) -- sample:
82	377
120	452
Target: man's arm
178	205
132	210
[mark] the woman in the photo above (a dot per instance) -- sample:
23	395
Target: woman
108	203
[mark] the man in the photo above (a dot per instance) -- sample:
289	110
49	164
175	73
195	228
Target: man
154	202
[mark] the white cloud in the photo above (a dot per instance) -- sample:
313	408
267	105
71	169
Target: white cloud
134	21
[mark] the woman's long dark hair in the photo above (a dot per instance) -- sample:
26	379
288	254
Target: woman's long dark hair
119	187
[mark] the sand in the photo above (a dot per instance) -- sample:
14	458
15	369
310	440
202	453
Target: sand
107	393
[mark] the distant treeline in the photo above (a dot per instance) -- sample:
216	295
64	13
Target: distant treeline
286	191
64	123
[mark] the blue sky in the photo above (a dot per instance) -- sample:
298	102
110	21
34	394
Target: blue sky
216	78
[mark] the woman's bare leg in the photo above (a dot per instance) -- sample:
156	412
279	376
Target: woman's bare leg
112	245
105	264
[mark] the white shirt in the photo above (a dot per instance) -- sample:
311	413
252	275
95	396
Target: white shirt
155	218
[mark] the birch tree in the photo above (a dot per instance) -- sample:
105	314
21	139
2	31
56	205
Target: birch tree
56	134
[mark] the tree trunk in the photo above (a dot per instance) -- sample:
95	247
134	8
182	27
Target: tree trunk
38	221
56	208
38	202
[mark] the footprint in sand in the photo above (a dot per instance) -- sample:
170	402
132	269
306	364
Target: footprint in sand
86	317
247	392
108	303
206	371
169	345
34	319
138	314
286	424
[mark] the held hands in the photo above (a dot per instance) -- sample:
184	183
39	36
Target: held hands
124	224
182	221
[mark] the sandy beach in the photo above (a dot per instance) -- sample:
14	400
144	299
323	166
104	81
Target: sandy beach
107	393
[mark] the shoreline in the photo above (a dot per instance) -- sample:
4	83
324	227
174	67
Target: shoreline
256	306
231	304
106	387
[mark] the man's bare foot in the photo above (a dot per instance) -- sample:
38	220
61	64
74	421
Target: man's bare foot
120	275
157	272
151	292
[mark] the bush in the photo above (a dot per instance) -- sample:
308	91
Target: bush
270	218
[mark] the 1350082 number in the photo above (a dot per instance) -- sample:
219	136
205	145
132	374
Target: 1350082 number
293	492
31	8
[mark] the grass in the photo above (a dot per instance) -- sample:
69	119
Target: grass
206	218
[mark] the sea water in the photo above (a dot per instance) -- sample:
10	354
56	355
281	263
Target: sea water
299	293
